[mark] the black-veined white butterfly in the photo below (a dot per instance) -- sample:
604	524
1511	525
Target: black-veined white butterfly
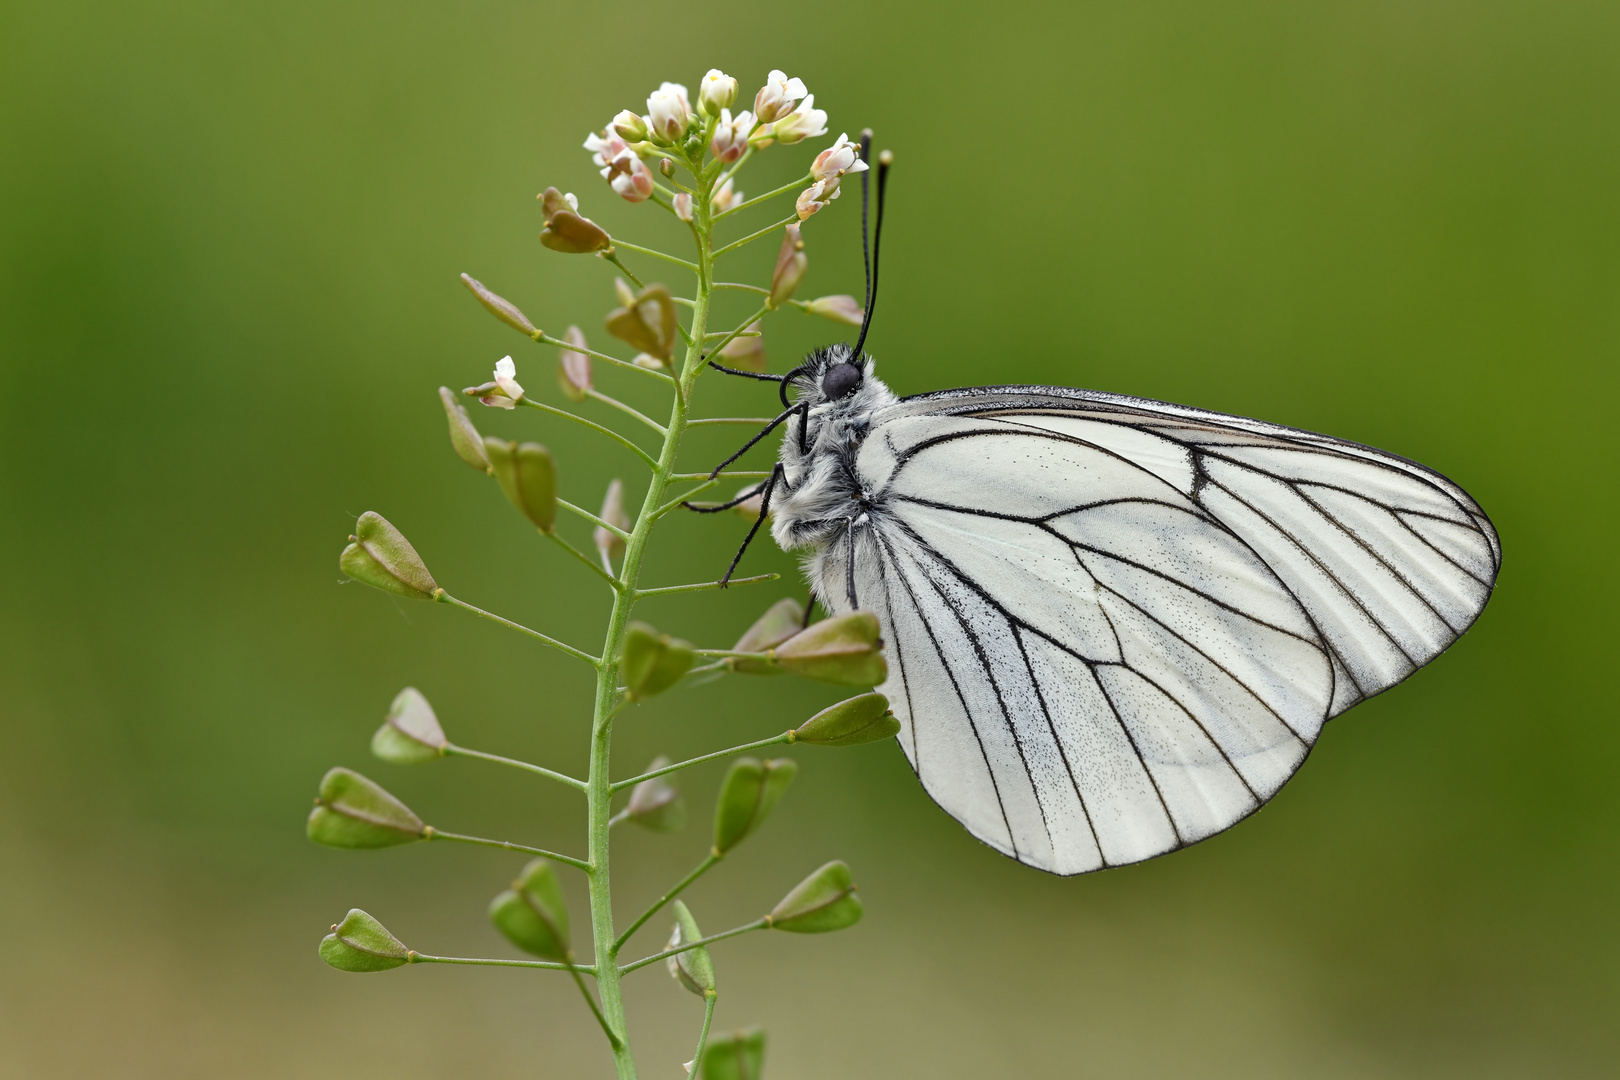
1114	626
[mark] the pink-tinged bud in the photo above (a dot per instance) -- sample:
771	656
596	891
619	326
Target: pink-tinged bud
629	127
629	177
668	112
815	197
747	352
731	135
805	122
666	167
717	91
683	206
790	266
726	198
610	544
565	230
841	308
574	368
777	97
839	158
499	306
604	147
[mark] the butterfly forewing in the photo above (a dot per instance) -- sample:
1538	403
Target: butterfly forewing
1116	626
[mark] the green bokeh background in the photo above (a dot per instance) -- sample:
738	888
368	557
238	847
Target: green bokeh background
228	262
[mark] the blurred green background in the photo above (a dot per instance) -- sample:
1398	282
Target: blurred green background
228	259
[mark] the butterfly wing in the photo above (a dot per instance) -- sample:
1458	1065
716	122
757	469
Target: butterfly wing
1116	626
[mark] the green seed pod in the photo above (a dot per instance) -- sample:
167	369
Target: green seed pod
361	943
533	915
464	437
748	794
647	321
500	307
655	804
528	476
379	555
781	621
354	812
692	969
863	719
822	902
738	1056
653	662
411	733
845	649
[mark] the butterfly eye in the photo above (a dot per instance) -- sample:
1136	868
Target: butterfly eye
840	380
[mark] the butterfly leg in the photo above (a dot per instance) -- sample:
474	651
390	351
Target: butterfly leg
764	509
738	501
849	565
764	431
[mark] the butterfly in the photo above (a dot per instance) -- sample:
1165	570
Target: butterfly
1113	626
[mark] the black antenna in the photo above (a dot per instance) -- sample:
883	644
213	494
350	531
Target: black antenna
885	159
866	250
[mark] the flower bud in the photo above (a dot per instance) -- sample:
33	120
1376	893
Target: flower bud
573	367
840	308
411	733
653	662
815	197
863	719
822	902
683	205
717	91
566	230
846	650
381	557
354	812
528	477
781	621
648	361
731	136
464	438
666	167
610	544
791	262
749	793
725	198
646	321
629	177
747	350
668	113
777	97
498	306
805	122
361	943
629	127
692	969
655	804
738	1056
533	915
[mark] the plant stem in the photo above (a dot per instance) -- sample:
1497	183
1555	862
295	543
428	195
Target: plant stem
544	965
655	253
462	751
759	924
598	428
445	598
785	737
709	1000
766	231
641	920
599	785
703	585
430	833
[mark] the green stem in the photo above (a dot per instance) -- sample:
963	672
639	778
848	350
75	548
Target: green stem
750	421
593	519
451	749
710	997
703	585
761	924
546	339
445	598
702	868
655	253
544	965
611	256
741	329
598	428
430	833
596	1010
596	395
757	199
612	581
785	737
599	787
766	231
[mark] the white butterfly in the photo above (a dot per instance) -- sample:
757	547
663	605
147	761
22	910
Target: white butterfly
1114	626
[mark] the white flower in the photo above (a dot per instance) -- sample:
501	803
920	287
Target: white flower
731	135
683	206
726	197
573	203
629	176
717	91
816	196
604	147
777	97
668	113
805	122
839	158
504	372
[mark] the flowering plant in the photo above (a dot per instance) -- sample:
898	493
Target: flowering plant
684	157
